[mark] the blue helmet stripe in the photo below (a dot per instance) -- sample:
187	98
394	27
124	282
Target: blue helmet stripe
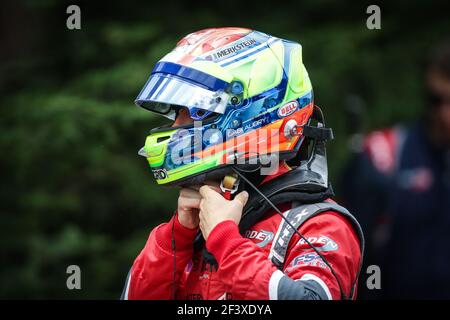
198	77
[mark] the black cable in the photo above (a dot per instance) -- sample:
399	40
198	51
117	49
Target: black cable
174	250
251	171
257	164
322	120
344	297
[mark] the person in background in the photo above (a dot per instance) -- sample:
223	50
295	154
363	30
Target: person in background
399	186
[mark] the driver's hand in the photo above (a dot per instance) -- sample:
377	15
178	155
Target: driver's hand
214	209
189	203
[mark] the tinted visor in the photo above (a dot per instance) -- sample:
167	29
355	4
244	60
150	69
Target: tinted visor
164	93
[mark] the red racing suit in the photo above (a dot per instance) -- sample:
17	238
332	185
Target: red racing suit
244	270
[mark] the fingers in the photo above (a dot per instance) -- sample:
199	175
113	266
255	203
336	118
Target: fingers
190	203
216	189
213	184
194	187
242	198
203	225
189	199
202	229
189	193
207	191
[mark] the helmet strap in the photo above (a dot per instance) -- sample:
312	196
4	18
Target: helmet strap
229	185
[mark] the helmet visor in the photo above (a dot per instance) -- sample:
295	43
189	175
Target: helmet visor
165	93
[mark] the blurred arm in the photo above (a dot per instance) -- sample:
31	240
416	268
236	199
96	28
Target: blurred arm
152	274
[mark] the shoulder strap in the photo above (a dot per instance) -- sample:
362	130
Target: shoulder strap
292	186
297	217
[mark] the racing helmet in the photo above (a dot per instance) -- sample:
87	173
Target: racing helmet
247	95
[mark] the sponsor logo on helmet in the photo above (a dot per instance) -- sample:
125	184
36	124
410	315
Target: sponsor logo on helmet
321	243
234	132
256	124
288	109
232	49
264	236
249	126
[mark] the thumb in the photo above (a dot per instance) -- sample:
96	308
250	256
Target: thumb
242	198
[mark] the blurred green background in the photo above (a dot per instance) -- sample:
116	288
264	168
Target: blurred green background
74	191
